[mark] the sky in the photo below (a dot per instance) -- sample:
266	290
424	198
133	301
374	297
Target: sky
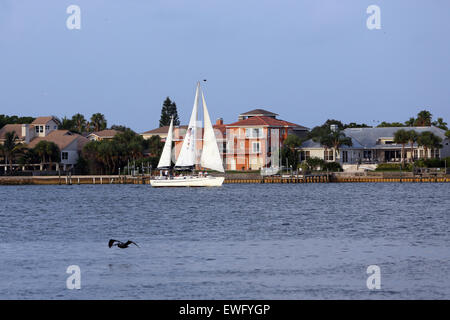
307	61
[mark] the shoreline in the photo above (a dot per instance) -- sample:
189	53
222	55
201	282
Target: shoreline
116	179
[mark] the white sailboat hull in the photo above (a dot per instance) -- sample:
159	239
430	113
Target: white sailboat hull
188	181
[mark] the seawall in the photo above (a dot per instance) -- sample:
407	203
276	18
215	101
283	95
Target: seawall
115	179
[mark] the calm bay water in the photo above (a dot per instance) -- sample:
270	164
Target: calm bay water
304	241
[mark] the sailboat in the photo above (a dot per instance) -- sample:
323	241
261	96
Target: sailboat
188	157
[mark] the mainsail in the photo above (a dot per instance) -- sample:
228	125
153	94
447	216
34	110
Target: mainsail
210	154
165	160
187	155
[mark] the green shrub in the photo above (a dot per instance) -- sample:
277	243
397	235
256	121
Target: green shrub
393	167
332	166
432	163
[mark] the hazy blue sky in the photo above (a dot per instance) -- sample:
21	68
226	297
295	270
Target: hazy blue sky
305	60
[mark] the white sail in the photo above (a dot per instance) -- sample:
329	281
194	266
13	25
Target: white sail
165	160
187	155
210	154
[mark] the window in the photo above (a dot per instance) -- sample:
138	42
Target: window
416	154
421	153
368	154
304	155
328	155
64	155
344	156
41	128
47	128
37	129
435	153
256	147
253	132
54	127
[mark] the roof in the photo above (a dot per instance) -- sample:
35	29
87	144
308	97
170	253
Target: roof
10	128
62	138
163	129
265	121
258	112
44	120
368	138
311	144
109	133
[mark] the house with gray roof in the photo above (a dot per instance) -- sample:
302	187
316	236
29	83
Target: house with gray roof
375	145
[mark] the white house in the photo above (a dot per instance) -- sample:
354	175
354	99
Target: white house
375	145
46	129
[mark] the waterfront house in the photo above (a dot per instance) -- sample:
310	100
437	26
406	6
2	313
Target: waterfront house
254	141
102	135
46	129
70	145
371	146
40	127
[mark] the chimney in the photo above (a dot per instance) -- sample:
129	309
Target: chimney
26	133
333	127
219	122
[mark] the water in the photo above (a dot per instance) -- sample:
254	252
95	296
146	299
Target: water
303	241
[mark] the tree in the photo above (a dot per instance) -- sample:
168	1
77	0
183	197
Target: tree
428	140
98	122
412	138
314	163
401	137
119	128
47	150
4	120
79	122
324	129
440	123
67	124
289	152
107	156
169	110
423	119
410	122
356	125
11	148
385	124
447	134
154	146
334	140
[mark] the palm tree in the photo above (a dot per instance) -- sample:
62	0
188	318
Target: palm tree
11	147
412	138
423	119
440	123
402	137
98	121
334	140
47	150
79	122
410	122
428	140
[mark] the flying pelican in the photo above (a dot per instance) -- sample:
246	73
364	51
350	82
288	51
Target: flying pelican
121	244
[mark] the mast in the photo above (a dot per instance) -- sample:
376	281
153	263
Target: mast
165	160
